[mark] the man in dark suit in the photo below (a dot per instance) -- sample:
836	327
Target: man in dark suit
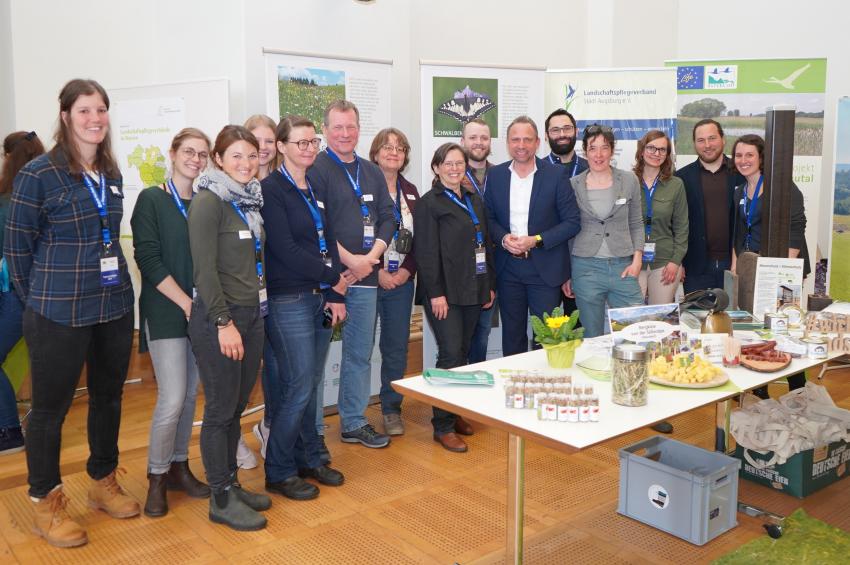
532	214
710	186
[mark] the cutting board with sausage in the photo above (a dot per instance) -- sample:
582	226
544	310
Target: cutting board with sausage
764	358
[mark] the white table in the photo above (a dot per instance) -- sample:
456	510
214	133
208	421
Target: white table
487	405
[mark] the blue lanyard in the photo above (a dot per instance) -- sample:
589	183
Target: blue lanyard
558	162
474	182
313	206
750	209
354	182
176	197
649	192
100	204
258	248
479	237
397	208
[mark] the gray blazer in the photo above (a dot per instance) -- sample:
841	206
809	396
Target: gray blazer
622	229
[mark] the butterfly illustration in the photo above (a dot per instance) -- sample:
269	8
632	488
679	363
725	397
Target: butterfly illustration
466	105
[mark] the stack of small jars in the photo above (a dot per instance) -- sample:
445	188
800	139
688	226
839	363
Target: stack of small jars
553	397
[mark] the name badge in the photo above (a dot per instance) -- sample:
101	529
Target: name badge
109	270
480	261
264	302
620	201
115	190
648	252
244	234
410	196
368	236
367	198
393	260
320	204
329	263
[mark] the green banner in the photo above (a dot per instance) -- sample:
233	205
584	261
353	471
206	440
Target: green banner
760	76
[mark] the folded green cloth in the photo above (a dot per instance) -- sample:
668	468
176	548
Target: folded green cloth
445	377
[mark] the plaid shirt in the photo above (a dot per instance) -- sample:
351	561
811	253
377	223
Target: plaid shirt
53	244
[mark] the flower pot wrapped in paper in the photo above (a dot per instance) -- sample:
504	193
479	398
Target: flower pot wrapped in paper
558	336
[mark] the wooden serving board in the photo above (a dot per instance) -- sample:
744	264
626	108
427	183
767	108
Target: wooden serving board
766	366
719	380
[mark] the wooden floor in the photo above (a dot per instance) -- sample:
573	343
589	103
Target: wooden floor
410	503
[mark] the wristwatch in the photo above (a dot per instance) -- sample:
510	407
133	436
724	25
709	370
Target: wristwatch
539	242
223	321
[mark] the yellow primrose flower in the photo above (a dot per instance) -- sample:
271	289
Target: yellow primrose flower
556	322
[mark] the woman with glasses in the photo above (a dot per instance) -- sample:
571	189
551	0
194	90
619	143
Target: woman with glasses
391	152
665	212
305	302
456	276
68	269
226	324
161	241
607	252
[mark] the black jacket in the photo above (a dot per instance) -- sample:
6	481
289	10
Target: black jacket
445	250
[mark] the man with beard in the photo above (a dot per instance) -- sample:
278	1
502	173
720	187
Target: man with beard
475	139
531	214
710	186
561	136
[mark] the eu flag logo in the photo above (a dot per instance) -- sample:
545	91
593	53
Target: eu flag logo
690	78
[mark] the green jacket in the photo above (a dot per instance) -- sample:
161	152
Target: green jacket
669	221
161	243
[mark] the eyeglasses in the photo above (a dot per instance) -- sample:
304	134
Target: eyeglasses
454	164
394	148
653	150
596	129
566	130
190	153
303	144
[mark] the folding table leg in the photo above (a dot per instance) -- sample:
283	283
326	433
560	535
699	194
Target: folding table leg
516	498
723	412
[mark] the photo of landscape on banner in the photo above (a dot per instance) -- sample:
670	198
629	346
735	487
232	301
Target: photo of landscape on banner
839	278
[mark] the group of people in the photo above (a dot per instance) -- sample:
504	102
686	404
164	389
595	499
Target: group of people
260	243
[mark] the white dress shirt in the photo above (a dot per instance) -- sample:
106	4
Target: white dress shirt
520	200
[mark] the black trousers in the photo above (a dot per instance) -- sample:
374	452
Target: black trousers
227	386
454	336
57	354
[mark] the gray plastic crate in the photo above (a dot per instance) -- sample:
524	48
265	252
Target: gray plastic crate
678	488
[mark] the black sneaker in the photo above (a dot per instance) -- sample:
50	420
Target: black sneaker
11	440
324	454
367	436
294	487
324	474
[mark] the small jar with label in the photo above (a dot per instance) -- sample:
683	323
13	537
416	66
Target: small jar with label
630	375
584	409
594	407
519	395
550	408
573	409
509	396
563	409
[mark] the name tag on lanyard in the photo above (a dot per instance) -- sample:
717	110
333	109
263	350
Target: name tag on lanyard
480	261
109	275
393	260
648	252
368	235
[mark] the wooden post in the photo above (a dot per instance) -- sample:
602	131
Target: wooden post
778	175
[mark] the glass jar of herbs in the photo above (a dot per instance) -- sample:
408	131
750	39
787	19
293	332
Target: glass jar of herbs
630	375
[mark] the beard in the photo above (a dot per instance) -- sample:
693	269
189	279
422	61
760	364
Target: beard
562	146
479	154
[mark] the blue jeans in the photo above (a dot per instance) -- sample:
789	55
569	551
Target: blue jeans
268	377
597	282
394	307
300	345
481	337
11	330
355	374
712	277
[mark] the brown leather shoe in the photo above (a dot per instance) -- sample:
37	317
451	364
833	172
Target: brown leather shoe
156	504
463	427
452	442
180	478
52	522
107	495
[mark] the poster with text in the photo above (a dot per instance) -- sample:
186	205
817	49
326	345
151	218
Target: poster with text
453	96
630	101
839	266
737	93
304	85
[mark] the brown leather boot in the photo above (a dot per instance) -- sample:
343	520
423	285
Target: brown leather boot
156	504
463	427
180	478
107	495
452	442
52	522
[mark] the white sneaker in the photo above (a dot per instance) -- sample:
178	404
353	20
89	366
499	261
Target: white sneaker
245	458
261	432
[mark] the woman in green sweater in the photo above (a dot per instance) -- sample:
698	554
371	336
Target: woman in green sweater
161	241
665	214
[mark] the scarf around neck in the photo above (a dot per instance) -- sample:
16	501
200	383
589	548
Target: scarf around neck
248	197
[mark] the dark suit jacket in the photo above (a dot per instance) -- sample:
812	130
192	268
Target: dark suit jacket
696	260
552	213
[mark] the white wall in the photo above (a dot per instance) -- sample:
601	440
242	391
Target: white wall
7	93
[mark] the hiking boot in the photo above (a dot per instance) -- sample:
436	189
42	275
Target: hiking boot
294	487
367	436
180	478
393	425
324	474
52	522
245	458
156	504
227	508
107	495
254	500
324	454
